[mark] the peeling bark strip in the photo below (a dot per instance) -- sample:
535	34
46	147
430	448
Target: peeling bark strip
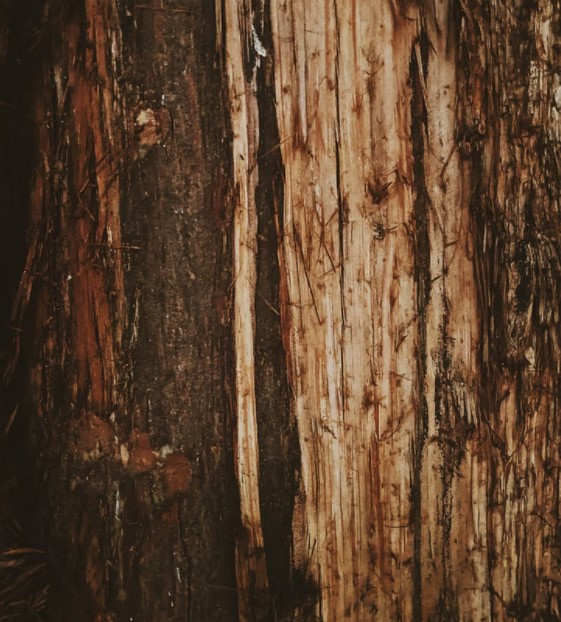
342	79
241	69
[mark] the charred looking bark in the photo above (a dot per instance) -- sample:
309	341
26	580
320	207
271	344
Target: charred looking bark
16	79
23	578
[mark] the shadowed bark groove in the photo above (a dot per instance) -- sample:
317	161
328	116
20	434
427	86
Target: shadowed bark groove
423	289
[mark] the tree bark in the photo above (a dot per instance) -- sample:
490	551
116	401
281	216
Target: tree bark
288	339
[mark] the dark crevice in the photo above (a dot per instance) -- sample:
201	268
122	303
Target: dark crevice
279	454
423	287
342	217
20	25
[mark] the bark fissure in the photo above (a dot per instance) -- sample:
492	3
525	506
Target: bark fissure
278	451
342	215
423	287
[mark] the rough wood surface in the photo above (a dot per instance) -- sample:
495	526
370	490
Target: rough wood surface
291	309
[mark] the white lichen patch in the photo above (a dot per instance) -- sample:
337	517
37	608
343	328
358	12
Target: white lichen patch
145	117
165	451
259	47
148	130
125	455
153	127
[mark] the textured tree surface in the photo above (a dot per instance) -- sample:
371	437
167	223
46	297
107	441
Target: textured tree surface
286	344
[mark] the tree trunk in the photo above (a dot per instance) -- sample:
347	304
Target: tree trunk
287	338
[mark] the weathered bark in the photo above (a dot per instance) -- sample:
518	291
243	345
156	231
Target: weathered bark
127	390
289	322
